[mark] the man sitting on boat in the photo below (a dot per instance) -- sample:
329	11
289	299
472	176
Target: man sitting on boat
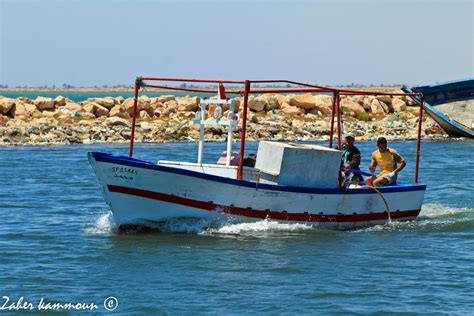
389	162
350	160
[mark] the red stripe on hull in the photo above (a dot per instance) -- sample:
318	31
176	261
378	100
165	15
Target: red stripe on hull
297	217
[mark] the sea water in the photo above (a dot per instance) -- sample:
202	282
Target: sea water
78	96
59	245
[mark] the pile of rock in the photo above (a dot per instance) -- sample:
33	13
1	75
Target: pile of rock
163	106
169	118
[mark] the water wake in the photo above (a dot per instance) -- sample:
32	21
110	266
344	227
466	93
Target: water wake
433	217
262	226
442	211
224	225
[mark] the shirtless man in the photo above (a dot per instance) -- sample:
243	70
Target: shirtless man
389	162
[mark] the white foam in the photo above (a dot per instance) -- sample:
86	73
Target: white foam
390	226
438	210
227	225
259	226
103	225
433	217
190	226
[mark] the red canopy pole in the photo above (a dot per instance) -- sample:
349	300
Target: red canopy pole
338	111
418	145
135	105
240	171
331	134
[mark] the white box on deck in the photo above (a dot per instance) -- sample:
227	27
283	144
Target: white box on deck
298	164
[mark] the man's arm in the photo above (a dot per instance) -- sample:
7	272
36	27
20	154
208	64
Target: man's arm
372	165
401	162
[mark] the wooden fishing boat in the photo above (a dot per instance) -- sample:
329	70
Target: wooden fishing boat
290	182
450	105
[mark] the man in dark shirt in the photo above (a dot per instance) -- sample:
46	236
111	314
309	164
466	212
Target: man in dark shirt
350	159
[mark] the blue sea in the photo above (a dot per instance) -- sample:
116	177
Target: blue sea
58	244
78	96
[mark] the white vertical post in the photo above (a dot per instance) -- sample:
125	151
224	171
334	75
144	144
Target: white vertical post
229	134
201	132
229	145
201	142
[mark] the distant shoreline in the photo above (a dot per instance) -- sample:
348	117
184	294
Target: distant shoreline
92	89
72	90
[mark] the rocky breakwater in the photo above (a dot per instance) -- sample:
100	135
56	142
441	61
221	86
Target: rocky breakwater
169	118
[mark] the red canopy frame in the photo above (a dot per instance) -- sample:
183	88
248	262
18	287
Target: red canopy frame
247	90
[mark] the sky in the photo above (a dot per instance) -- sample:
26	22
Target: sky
108	42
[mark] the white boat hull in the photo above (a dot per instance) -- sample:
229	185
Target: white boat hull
139	192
